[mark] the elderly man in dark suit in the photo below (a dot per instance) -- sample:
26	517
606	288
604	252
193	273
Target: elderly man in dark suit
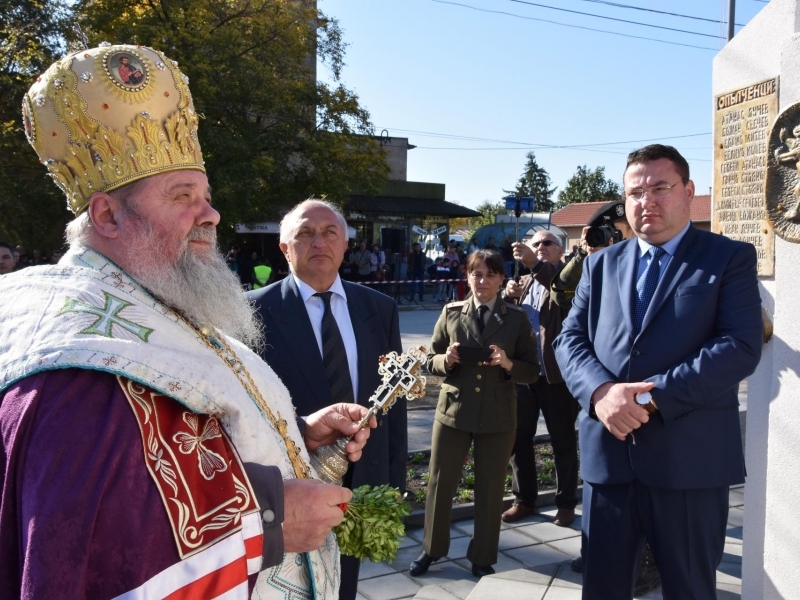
549	393
663	327
324	337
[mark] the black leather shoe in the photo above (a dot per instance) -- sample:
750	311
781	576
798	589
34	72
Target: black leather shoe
421	564
648	577
481	571
577	565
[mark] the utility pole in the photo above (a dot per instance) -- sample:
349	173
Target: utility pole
731	18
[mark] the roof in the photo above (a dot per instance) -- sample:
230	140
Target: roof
579	213
576	214
408	206
701	208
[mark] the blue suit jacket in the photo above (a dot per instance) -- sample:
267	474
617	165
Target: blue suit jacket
701	336
292	352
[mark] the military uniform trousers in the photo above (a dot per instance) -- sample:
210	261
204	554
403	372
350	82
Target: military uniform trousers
449	450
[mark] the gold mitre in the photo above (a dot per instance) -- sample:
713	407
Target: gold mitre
105	117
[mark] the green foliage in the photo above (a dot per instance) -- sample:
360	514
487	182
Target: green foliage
535	181
411	474
426	477
373	524
509	480
589	186
418	458
420	495
464	495
549	466
469	480
544	479
488	210
34	210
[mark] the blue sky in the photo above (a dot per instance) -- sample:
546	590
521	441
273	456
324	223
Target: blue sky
425	67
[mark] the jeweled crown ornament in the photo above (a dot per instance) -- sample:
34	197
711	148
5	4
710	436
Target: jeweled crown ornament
400	374
104	117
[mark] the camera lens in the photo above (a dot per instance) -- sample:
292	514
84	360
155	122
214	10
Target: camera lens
596	236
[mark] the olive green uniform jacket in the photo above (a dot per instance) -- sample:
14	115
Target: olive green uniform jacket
479	398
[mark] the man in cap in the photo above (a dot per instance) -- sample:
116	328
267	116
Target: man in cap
662	329
542	254
147	451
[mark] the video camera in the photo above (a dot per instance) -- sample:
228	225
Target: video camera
600	236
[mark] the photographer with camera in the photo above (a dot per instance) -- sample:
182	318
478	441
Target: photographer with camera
607	226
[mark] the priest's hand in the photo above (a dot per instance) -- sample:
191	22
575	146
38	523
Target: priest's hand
327	425
310	511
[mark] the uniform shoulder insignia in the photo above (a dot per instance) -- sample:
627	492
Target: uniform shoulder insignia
455	305
514	307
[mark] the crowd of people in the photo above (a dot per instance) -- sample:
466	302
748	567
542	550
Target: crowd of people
157	428
16	258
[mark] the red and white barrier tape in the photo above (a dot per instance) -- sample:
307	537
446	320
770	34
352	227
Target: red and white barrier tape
409	281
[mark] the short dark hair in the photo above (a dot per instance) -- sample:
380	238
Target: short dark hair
10	248
494	262
658	151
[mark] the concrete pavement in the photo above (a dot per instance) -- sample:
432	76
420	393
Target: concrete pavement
533	563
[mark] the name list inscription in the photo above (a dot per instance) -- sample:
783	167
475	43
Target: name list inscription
742	119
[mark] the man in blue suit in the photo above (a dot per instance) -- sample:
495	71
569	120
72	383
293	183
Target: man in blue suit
663	328
323	339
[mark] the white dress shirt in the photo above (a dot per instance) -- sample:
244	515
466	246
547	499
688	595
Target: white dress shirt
315	308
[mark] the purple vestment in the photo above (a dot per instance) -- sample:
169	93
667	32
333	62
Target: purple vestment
80	516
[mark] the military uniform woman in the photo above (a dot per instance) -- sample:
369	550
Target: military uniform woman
477	405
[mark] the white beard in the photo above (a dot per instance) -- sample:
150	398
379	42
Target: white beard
200	287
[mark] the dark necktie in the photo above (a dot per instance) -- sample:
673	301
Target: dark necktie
481	317
646	287
334	356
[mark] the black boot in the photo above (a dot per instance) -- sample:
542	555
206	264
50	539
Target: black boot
421	564
479	572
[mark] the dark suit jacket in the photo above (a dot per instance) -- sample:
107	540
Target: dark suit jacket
551	316
292	352
701	336
479	398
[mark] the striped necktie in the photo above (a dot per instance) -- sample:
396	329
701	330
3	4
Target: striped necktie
334	356
646	287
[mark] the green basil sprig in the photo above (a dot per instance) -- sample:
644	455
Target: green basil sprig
373	523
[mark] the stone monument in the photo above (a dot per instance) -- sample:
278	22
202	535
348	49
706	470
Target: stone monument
756	83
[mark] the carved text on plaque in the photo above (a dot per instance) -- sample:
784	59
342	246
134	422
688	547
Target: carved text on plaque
742	121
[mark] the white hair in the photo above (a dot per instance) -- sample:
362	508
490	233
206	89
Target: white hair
557	239
289	222
200	287
79	231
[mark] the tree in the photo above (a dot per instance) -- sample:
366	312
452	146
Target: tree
34	210
589	186
271	134
488	212
535	181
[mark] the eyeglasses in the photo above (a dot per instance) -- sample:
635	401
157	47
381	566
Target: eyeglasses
543	243
659	191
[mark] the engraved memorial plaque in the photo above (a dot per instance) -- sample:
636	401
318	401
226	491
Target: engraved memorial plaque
742	121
